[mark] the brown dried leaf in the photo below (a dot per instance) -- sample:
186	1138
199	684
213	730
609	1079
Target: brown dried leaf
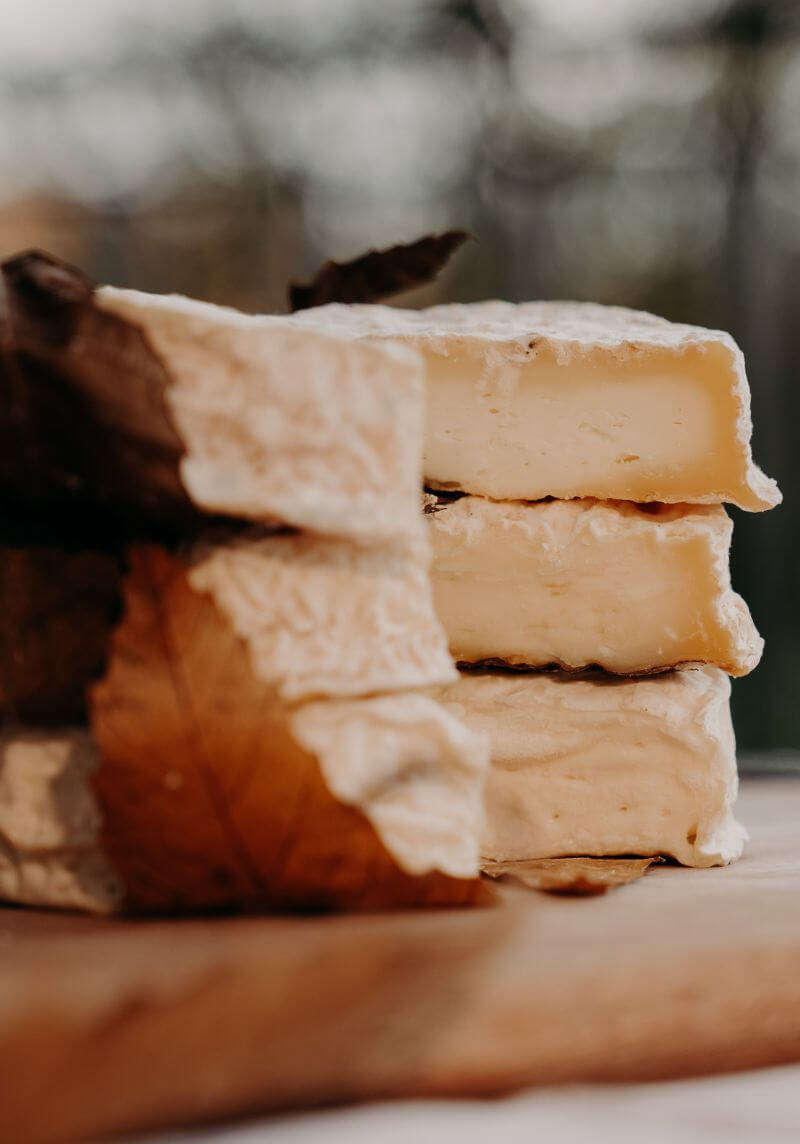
434	500
379	273
208	800
586	876
83	420
58	609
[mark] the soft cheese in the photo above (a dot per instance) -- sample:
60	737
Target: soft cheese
582	582
411	767
570	399
50	851
414	770
327	617
285	424
603	766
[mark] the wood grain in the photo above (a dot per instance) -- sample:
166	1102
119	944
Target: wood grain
114	1026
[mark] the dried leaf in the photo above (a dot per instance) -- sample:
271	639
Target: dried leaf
58	609
379	273
434	500
586	876
208	800
83	420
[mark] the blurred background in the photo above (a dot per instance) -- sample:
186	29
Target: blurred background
640	152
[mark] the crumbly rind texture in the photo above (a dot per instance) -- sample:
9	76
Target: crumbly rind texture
328	618
414	770
50	853
215	793
600	766
285	424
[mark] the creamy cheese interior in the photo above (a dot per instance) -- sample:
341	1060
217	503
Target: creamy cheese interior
654	426
573	399
587	582
603	766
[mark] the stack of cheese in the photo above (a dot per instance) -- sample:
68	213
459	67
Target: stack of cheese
578	457
317	442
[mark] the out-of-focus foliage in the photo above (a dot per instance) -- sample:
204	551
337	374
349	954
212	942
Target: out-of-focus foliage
632	151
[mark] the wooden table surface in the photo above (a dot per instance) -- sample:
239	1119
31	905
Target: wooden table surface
111	1026
757	1107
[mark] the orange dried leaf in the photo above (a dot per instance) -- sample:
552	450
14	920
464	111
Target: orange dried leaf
208	799
587	876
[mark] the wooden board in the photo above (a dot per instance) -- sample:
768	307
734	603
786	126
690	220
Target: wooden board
112	1026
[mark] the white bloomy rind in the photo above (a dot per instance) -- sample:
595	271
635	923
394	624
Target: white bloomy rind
324	617
407	764
605	766
285	424
586	582
412	768
50	852
574	399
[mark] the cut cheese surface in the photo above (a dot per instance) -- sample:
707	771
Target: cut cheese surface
583	582
573	399
49	823
603	766
286	425
324	617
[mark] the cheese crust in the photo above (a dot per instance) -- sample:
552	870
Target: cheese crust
285	425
